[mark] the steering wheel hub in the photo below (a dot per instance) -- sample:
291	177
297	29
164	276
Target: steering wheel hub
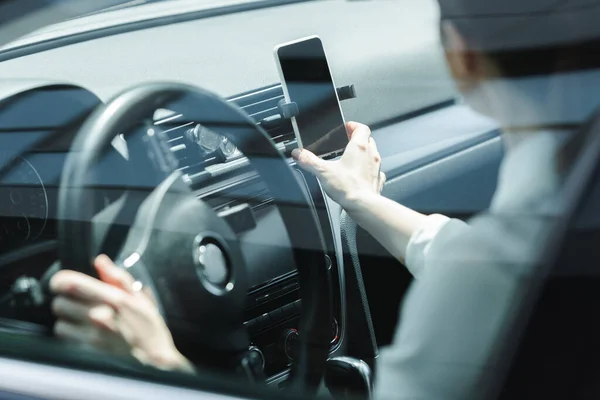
212	263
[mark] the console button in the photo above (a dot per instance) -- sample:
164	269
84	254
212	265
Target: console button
276	315
240	218
289	343
250	325
288	310
263	321
256	358
297	305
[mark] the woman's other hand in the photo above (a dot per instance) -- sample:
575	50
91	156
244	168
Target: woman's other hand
109	314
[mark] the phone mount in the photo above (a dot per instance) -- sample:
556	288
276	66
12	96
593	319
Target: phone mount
289	110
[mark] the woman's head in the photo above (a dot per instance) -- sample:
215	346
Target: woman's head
512	39
532	65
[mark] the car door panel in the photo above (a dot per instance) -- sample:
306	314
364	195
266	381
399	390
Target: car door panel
445	161
54	382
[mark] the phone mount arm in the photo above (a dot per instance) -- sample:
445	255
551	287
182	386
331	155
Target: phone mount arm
346	92
288	110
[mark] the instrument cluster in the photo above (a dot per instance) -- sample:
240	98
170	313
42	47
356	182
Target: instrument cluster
23	203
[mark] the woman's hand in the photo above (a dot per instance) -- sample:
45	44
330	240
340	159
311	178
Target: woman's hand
110	315
354	181
355	175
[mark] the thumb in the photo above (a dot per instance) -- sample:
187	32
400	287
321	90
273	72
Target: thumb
113	275
309	161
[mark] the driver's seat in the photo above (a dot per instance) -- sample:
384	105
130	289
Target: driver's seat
558	336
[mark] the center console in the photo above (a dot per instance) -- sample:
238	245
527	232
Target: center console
227	183
272	320
273	303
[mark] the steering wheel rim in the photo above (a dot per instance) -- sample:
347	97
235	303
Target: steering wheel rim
127	109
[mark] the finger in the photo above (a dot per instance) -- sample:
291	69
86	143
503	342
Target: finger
382	179
309	161
373	150
146	291
69	330
351	126
86	289
113	275
77	332
360	134
104	317
101	315
71	310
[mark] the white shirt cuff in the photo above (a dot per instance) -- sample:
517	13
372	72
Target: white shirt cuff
420	242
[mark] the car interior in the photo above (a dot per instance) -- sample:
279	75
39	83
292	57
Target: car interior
161	129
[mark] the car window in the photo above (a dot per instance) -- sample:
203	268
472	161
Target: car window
259	198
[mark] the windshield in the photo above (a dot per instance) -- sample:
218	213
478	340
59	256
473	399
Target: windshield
56	19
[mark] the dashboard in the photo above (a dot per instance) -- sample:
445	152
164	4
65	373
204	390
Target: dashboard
37	125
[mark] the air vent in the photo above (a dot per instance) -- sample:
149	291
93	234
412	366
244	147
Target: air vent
261	105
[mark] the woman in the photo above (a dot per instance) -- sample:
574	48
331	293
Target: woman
530	66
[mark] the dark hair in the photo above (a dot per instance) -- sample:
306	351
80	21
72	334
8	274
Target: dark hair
584	55
568	57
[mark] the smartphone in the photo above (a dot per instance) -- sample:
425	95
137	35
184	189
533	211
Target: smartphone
306	80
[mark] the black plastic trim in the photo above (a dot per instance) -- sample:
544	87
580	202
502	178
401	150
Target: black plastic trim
415	113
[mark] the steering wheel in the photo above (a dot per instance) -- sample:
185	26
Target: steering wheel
200	295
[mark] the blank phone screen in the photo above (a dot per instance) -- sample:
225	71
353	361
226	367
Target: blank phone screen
308	79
